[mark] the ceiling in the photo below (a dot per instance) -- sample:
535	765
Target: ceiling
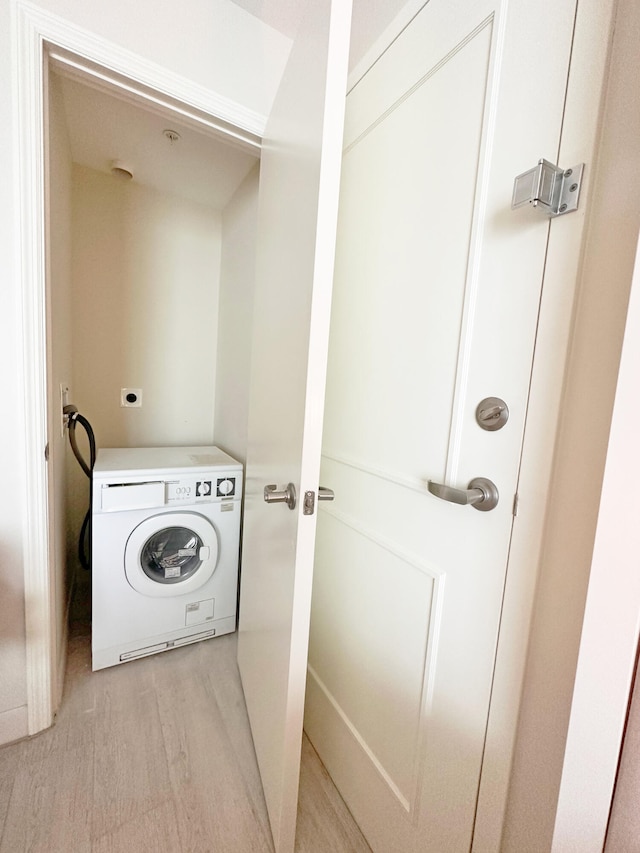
105	125
282	15
370	19
102	128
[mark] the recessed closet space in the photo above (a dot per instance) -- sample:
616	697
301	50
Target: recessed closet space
151	220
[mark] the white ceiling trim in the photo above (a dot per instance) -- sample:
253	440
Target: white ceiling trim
90	74
95	50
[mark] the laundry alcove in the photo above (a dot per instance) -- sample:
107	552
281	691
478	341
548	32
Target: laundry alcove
150	281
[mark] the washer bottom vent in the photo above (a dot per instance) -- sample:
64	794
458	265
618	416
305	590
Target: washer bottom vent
164	647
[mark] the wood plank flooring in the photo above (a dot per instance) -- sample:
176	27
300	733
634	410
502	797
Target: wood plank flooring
156	755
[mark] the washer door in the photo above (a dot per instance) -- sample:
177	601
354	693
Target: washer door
171	554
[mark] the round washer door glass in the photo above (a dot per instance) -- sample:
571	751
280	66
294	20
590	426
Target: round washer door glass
171	553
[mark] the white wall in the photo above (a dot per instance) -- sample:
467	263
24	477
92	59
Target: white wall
13	696
239	223
146	270
580	456
608	644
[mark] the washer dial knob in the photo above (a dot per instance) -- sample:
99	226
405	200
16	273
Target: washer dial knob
226	487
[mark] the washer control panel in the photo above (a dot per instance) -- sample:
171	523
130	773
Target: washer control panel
209	488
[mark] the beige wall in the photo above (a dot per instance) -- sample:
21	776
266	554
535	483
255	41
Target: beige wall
144	314
60	344
239	223
146	270
624	828
580	453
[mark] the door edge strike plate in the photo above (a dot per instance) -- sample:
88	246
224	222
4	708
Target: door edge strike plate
549	189
309	504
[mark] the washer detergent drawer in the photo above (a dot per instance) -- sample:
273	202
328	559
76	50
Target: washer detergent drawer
126	496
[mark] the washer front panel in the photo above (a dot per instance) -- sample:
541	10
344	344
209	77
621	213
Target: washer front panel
171	553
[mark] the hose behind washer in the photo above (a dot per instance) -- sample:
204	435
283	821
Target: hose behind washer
84	554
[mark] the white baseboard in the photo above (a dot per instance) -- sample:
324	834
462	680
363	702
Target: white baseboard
62	651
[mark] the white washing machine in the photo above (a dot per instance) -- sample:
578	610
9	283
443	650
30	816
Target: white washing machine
165	549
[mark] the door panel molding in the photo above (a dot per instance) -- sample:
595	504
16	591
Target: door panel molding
415	562
439	65
407	805
420	677
365	467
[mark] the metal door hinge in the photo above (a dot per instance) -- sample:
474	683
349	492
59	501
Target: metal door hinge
551	190
516	501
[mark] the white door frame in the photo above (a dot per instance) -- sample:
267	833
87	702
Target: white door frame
33	28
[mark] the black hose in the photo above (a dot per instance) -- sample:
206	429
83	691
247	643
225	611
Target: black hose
84	549
84	540
76	417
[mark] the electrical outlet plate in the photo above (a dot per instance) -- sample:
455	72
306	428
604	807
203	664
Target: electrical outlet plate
131	398
65	394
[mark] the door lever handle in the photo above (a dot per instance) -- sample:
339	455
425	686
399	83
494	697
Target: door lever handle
283	496
325	494
481	494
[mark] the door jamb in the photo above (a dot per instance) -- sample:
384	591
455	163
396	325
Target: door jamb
32	29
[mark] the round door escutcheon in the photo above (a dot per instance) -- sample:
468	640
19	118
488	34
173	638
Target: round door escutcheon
492	413
491	495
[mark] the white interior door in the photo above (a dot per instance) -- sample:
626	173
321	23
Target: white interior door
298	203
435	307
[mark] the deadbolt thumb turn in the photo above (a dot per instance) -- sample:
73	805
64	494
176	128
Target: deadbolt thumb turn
482	494
284	496
492	413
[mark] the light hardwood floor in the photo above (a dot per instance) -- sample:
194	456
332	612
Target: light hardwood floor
156	755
